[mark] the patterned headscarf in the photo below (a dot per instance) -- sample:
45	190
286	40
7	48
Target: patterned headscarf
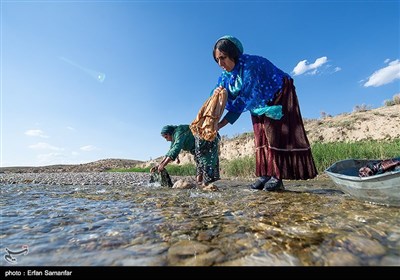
168	129
234	40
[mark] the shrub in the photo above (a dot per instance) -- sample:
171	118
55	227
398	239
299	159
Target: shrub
361	108
396	99
388	102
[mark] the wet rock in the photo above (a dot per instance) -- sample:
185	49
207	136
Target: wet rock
148	249
205	235
390	261
209	188
365	246
341	259
205	259
183	184
265	259
184	249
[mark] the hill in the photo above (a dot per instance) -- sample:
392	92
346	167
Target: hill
96	166
376	124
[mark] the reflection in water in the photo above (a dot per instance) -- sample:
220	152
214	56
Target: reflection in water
149	225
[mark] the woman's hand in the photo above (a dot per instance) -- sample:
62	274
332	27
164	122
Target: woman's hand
162	164
157	168
218	89
154	168
161	167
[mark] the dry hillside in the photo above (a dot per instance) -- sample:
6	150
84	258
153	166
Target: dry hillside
379	124
96	166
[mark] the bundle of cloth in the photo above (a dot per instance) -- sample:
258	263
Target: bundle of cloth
379	167
162	178
205	125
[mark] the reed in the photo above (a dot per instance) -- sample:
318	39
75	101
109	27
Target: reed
325	154
176	170
243	167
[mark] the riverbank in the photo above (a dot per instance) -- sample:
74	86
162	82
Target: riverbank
126	179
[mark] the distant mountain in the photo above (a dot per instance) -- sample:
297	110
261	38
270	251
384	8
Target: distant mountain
96	166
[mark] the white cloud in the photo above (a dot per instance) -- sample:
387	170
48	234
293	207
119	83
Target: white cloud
337	69
36	133
384	75
50	158
58	158
88	148
312	69
70	128
45	146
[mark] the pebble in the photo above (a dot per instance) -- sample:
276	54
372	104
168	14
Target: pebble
77	178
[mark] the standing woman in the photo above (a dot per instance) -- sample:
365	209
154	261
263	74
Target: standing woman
255	84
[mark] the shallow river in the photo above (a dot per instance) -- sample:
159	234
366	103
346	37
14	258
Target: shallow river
310	224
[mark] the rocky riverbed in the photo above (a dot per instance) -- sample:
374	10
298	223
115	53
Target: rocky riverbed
76	178
120	219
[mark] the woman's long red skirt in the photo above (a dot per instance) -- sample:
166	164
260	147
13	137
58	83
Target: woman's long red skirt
282	146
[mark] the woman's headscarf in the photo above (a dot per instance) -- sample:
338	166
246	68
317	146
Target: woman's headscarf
252	83
234	40
168	129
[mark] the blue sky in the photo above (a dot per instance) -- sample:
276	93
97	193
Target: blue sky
88	80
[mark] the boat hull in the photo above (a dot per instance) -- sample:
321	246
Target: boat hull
381	188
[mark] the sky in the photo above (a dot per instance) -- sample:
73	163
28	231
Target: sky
83	81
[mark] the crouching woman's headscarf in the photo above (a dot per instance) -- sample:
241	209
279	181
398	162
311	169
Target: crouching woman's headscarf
168	129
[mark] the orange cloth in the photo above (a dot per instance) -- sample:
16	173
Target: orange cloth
206	123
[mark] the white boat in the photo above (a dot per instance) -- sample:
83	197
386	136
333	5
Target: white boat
381	188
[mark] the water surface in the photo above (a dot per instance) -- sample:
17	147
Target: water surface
310	224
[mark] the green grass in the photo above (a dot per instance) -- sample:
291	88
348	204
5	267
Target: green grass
133	169
325	154
243	167
176	170
182	170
